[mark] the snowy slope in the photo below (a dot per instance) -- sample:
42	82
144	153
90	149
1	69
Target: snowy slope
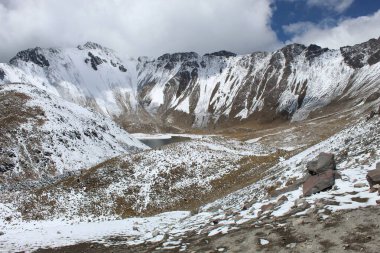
43	135
187	89
88	75
289	82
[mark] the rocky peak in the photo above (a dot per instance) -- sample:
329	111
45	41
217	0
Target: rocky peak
91	45
177	57
313	51
222	53
31	55
360	54
95	46
292	50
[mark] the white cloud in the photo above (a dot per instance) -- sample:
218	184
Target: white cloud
345	32
298	28
336	5
137	27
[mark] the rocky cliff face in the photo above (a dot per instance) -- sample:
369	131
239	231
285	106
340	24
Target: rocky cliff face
190	90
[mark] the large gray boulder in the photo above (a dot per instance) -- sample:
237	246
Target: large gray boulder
373	176
319	182
323	162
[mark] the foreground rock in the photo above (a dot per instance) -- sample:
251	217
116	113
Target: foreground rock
322	174
318	183
323	162
373	176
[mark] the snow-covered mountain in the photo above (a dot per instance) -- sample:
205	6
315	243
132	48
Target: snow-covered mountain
190	90
42	135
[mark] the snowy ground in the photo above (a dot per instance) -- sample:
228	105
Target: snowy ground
357	151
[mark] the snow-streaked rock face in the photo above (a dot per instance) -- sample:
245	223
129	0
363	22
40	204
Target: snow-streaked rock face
43	135
186	89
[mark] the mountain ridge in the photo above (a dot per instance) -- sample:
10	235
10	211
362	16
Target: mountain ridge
187	90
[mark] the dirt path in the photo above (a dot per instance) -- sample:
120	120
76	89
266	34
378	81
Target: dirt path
344	231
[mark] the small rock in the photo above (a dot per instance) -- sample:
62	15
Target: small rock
291	245
267	207
360	185
378	201
373	176
1	233
215	222
281	200
299	202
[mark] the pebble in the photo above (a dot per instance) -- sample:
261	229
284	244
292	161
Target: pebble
291	245
360	185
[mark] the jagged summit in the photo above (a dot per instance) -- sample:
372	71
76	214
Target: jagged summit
95	46
34	55
175	57
222	53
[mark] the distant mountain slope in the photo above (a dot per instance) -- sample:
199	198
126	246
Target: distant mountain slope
189	90
42	135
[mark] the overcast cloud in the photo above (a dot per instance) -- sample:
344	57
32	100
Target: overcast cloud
137	27
345	32
153	27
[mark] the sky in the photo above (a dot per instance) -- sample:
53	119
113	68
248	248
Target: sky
153	27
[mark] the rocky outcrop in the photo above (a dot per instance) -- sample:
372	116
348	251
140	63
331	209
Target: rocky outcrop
95	61
322	174
2	74
34	55
222	53
373	176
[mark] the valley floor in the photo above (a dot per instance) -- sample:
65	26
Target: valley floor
265	212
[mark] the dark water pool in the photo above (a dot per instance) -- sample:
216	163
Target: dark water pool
156	143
